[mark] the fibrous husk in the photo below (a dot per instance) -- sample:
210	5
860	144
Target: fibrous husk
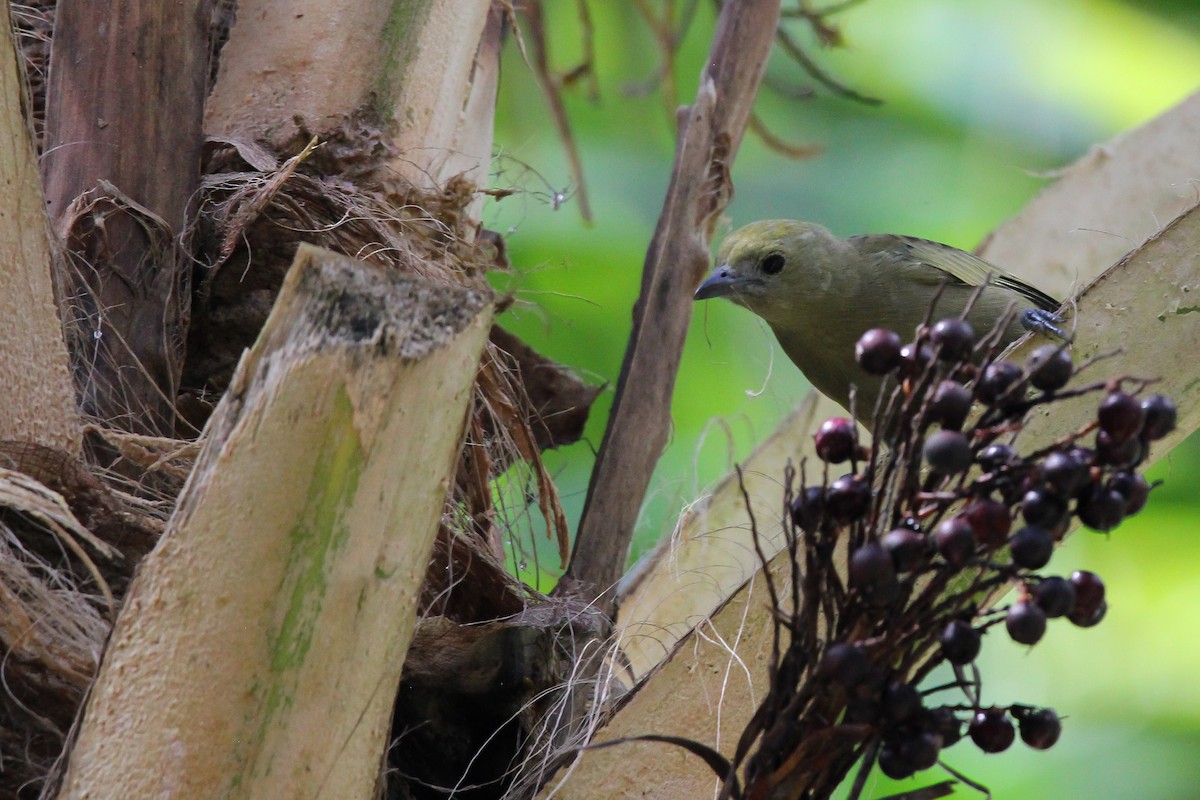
33	24
254	211
68	547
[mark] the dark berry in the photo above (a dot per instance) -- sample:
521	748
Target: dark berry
921	749
871	564
845	664
989	521
835	440
1049	367
878	351
1120	416
1133	487
945	723
955	339
1025	622
872	688
994	385
1082	620
1040	729
1101	509
872	571
995	456
1064	472
950	404
960	642
955	540
1160	415
893	765
914	358
1031	547
1085	455
808	510
1089	593
1055	595
907	548
1119	453
991	730
901	701
848	498
1042	508
948	452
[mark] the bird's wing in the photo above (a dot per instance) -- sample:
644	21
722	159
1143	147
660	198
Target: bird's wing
931	262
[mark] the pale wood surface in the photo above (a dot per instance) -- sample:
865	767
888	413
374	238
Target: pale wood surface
693	571
1104	205
36	391
418	74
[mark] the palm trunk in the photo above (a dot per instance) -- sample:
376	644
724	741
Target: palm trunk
260	647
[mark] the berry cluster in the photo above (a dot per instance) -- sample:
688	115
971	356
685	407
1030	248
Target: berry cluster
934	521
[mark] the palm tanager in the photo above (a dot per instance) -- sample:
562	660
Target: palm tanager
820	293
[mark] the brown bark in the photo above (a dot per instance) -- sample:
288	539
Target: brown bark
126	91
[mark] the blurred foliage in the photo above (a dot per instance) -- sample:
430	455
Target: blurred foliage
982	100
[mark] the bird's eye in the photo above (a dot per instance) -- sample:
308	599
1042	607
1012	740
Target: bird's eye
772	263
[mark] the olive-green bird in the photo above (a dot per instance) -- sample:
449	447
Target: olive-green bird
820	293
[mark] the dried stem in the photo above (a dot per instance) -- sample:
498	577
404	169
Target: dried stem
710	132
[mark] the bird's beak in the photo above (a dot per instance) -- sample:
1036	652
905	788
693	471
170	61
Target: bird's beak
721	282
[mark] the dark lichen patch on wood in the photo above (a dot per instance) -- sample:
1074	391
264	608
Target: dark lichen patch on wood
397	314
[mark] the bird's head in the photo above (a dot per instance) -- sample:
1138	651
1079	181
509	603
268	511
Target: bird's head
774	267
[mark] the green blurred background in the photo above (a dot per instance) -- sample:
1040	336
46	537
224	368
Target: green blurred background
983	99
